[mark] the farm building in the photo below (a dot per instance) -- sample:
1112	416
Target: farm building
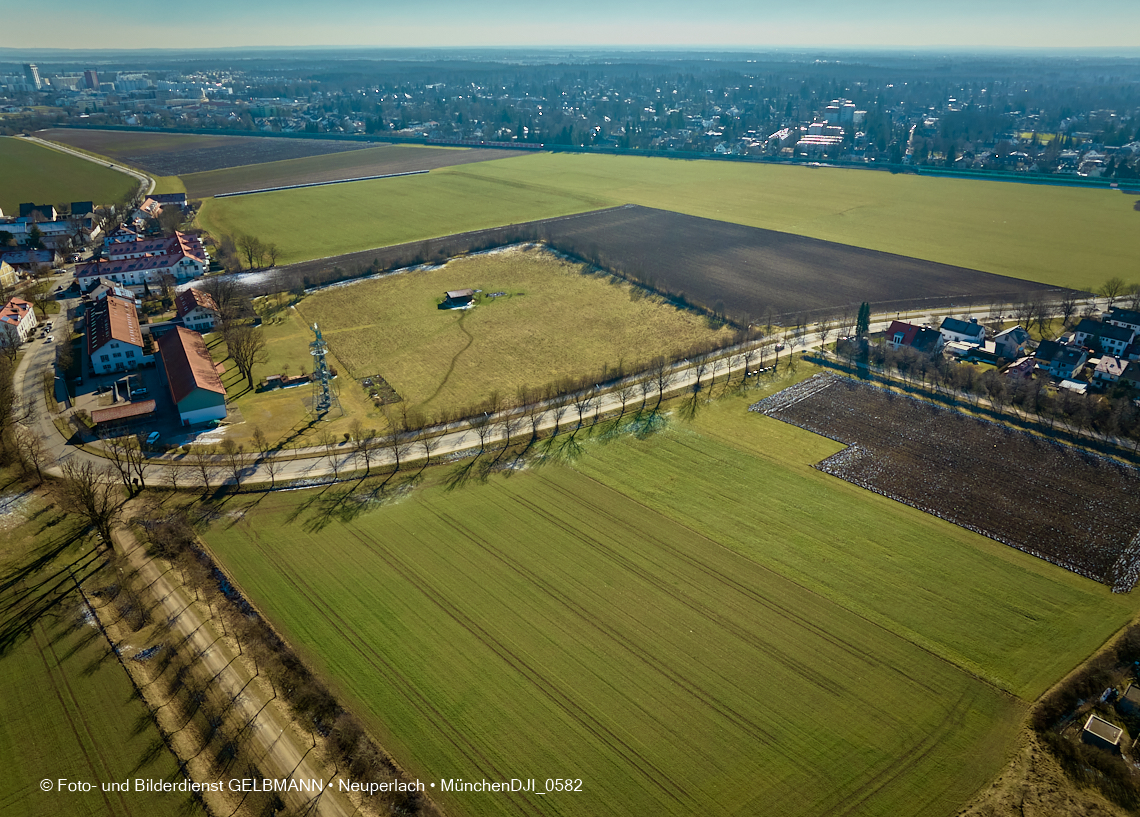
114	338
1101	733
457	297
196	310
18	318
123	415
191	376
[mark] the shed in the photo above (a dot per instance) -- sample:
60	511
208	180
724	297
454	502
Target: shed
1129	702
458	297
1099	732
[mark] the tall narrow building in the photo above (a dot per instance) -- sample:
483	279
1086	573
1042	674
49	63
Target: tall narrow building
33	75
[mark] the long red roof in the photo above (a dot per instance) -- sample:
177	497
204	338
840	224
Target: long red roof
188	364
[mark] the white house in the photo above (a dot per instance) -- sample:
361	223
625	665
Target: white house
1009	344
1109	369
18	318
969	331
114	338
196	310
1113	339
138	263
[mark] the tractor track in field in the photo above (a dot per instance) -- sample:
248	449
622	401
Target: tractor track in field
700	609
861	616
42	650
649	771
905	762
395	678
751	728
454	359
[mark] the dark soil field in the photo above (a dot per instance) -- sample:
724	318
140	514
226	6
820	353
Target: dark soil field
174	154
751	270
373	161
1073	509
745	270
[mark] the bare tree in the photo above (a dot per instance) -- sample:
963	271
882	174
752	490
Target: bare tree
1042	315
511	426
396	442
261	442
202	456
32	452
246	345
251	247
1112	289
823	329
534	419
272	466
583	402
272	251
1023	312
701	367
329	442
1133	294
645	388
89	491
1068	308
625	393
117	450
481	423
362	447
235	459
661	377
749	355
40	295
430	443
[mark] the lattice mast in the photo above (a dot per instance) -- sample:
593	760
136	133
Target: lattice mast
324	398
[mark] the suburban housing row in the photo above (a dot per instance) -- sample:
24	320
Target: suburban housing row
1108	344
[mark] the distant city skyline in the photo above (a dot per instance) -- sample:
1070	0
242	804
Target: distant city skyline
896	24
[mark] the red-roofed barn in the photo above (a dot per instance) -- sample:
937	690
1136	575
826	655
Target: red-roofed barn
194	383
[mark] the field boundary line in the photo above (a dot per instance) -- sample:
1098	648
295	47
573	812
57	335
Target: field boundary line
318	184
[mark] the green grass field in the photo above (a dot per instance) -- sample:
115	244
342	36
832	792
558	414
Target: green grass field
1058	235
321	221
69	710
31	172
531	336
696	621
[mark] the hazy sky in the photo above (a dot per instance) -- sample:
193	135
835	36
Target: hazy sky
894	23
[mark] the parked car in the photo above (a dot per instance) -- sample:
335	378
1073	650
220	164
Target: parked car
139	392
152	438
49	339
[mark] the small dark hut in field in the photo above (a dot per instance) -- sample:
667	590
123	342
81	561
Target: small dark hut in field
1099	732
455	298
